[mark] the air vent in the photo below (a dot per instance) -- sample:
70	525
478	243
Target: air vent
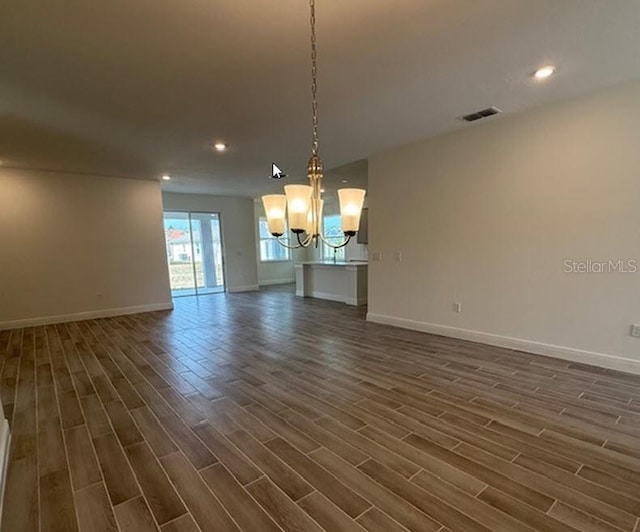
472	117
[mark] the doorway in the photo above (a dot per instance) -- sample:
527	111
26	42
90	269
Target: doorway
194	253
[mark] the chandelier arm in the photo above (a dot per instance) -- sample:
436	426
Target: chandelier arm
333	246
306	242
285	245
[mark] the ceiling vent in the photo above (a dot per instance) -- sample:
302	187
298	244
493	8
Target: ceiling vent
478	115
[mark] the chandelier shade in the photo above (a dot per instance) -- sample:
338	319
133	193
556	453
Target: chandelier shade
351	202
275	207
298	203
303	204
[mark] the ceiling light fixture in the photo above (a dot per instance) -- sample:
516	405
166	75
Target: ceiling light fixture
544	72
304	202
220	146
166	177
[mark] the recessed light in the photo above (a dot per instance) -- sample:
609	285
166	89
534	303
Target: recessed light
166	177
544	72
220	146
345	181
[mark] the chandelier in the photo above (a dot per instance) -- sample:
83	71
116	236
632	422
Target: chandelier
304	202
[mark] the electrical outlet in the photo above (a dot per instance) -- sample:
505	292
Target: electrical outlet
457	307
635	331
376	256
397	256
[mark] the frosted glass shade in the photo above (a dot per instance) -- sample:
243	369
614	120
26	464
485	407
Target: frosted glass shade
314	220
351	201
298	202
275	207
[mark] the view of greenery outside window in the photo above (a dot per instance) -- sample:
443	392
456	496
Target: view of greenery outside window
333	233
270	249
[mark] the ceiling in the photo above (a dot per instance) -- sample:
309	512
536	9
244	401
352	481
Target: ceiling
141	88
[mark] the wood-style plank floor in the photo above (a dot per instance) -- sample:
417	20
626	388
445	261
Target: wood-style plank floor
263	412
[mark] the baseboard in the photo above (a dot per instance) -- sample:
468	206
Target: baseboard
277	281
356	302
248	288
333	297
5	443
89	315
537	348
326	295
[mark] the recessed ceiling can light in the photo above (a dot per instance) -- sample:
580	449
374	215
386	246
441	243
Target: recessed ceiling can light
544	72
220	146
344	181
166	177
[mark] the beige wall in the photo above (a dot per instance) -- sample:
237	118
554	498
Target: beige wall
238	233
487	216
79	246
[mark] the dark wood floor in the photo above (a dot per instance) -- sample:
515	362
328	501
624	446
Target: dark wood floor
263	412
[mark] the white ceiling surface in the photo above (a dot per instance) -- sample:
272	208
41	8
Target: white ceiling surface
140	88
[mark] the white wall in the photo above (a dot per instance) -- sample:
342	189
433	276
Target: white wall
488	215
79	246
238	234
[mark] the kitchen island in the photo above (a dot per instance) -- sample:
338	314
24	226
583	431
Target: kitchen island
336	281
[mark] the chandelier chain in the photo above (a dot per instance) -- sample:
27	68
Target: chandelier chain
314	80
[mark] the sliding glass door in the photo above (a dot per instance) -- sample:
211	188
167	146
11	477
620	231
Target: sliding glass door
194	253
207	256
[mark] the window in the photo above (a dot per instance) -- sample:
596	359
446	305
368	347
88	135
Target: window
333	233
270	249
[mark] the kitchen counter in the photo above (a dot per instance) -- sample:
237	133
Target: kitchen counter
343	281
